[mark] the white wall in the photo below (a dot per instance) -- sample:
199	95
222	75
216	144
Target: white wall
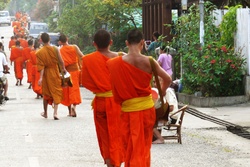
242	36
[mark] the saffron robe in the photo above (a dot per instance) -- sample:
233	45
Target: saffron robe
16	56
12	43
47	60
26	55
95	77
71	95
35	74
130	82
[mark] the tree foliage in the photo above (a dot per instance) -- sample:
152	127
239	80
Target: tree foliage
3	4
214	69
43	10
81	21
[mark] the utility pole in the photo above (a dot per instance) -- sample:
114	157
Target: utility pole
202	31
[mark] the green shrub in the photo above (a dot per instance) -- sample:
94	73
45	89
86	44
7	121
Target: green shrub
215	69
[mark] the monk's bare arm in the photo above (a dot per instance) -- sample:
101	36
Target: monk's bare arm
80	54
165	77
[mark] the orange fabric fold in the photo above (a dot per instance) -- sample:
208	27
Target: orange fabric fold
26	55
129	82
35	74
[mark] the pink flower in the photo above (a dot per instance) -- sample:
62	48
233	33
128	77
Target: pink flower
229	61
232	66
206	57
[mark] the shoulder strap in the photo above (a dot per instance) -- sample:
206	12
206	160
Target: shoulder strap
156	80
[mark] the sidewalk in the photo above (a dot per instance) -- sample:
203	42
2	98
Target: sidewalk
238	114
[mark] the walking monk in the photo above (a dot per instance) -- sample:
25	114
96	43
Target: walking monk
71	56
16	56
130	78
35	74
26	55
95	77
48	59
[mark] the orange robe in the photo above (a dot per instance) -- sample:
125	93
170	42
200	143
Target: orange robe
95	77
129	82
12	43
71	95
47	60
23	42
35	74
26	55
16	56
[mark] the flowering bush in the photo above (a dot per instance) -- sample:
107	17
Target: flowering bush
214	69
217	72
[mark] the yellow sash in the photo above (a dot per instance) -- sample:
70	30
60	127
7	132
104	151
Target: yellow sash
138	104
104	94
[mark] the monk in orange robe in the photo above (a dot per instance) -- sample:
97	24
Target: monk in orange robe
16	56
35	74
26	55
12	42
48	59
23	41
130	76
71	56
95	77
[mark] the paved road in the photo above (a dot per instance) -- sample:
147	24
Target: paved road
28	140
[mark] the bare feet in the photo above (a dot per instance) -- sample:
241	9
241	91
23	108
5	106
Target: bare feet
55	117
17	82
44	115
158	141
73	112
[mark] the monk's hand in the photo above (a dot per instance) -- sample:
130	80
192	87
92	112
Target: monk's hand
65	71
40	81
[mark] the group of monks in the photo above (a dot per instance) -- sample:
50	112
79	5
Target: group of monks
22	54
20	24
124	112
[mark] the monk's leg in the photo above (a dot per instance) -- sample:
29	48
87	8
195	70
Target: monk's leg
107	161
55	112
45	108
30	86
20	82
73	110
69	108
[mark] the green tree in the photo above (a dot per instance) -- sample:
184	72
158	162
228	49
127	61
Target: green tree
3	4
81	21
43	10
